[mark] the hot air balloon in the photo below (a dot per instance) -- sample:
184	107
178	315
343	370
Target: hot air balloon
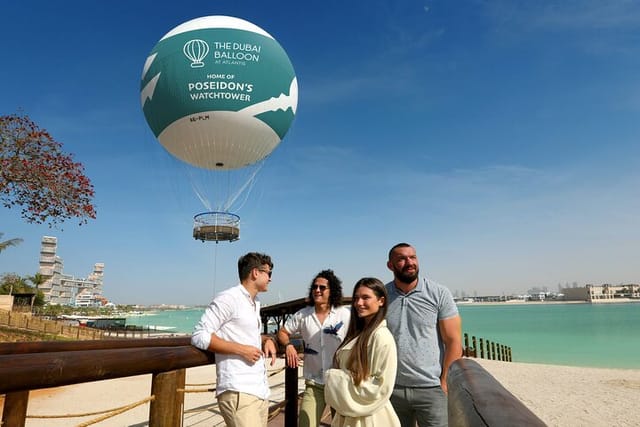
219	93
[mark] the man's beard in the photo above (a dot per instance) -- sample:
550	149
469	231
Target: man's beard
407	278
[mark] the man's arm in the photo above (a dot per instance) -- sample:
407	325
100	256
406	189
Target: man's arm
291	354
451	333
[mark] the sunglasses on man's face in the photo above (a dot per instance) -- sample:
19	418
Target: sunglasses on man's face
269	272
321	288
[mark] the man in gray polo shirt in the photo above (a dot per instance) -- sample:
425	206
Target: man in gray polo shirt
424	320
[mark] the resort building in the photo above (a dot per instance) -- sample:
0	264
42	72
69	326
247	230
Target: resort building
603	293
64	289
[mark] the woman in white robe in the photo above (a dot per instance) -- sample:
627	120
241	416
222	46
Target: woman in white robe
359	387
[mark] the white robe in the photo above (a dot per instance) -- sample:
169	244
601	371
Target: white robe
365	405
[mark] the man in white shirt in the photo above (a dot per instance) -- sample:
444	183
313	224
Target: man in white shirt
323	325
230	327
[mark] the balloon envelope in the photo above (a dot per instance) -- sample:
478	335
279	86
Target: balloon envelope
219	92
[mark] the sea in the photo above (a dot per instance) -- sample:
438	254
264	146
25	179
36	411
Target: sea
588	335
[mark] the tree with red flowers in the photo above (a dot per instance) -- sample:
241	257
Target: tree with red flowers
37	176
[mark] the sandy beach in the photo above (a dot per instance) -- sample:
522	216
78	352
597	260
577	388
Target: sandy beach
571	396
559	395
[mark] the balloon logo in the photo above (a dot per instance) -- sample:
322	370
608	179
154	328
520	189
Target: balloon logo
196	50
218	92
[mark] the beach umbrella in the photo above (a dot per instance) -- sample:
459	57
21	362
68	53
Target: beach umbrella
219	93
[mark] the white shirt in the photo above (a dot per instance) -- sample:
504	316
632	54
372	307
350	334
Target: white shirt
320	340
234	316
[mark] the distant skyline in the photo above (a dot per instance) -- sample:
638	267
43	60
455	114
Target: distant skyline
501	139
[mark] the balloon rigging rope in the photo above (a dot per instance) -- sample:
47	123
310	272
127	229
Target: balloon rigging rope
248	184
215	268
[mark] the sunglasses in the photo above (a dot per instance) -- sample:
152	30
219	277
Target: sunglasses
321	288
269	272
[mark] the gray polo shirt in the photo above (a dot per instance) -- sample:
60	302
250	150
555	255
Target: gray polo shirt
413	319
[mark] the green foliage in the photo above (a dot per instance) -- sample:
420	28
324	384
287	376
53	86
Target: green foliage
12	283
11	242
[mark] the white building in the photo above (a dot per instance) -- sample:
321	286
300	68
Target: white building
65	289
603	293
607	293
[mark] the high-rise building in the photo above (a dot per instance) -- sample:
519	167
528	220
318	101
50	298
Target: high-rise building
65	289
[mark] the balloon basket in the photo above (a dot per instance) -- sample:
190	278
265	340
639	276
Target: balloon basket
216	227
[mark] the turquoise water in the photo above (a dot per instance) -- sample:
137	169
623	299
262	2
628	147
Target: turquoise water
182	321
596	335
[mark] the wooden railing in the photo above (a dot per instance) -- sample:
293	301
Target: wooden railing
475	397
485	349
33	365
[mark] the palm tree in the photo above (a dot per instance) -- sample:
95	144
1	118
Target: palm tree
37	280
11	242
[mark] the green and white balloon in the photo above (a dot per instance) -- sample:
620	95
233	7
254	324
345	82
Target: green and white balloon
219	92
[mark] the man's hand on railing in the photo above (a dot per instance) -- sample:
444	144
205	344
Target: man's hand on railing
291	355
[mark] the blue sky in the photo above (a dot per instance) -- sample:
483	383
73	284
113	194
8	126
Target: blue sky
500	138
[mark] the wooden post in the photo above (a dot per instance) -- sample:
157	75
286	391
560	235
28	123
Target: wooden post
493	350
14	413
481	348
181	375
162	411
475	346
291	397
466	345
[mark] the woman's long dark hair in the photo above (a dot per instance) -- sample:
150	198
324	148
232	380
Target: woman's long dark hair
358	362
